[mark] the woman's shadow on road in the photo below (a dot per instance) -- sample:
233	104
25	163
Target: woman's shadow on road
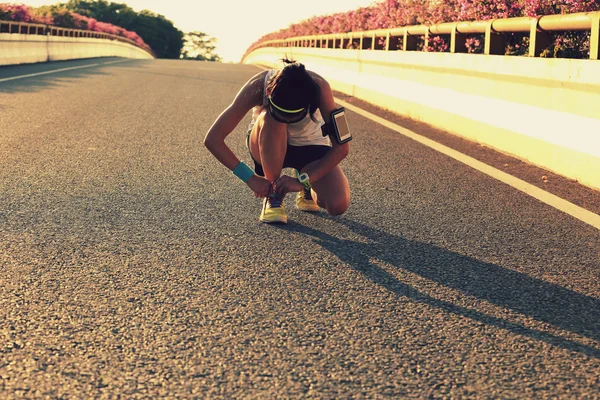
534	298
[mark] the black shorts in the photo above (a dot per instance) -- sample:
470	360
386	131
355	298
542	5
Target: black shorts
296	157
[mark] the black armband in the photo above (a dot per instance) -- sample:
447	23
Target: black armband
338	126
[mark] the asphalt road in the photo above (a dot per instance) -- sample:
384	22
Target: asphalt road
133	265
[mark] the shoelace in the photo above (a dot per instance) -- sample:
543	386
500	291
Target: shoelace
307	194
274	199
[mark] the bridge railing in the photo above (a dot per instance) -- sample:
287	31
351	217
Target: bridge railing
540	29
28	28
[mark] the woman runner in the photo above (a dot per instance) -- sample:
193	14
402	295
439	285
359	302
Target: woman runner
289	107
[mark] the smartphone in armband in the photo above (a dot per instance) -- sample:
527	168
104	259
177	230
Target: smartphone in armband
338	126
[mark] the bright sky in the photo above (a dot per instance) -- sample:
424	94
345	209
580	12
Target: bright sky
235	23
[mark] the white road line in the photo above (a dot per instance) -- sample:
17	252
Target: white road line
158	66
548	198
12	78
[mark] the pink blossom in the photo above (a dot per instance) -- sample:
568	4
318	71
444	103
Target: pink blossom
64	18
397	13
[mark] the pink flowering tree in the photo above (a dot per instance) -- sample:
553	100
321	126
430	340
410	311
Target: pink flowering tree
23	13
397	13
61	17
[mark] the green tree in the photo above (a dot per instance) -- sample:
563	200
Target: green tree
199	46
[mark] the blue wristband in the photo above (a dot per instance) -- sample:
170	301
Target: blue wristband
243	172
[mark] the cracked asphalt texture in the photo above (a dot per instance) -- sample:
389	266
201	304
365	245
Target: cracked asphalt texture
133	265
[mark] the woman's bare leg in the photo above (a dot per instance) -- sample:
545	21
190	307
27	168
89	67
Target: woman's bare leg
332	192
268	144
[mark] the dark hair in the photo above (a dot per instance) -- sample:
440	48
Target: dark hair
292	87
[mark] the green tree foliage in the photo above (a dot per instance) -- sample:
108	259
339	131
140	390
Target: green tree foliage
158	32
199	46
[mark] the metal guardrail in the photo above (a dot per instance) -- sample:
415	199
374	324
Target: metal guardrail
540	31
50	30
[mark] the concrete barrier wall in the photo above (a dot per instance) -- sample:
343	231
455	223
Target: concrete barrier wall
544	111
22	49
25	49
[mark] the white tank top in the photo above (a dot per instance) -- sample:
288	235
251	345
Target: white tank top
303	133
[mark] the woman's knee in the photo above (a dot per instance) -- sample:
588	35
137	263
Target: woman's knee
271	135
338	206
264	133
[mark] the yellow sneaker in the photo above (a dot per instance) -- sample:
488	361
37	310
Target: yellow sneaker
305	202
273	211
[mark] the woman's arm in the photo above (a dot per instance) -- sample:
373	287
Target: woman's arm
249	96
338	151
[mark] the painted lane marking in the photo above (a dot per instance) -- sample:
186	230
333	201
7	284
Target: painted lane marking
548	198
12	78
